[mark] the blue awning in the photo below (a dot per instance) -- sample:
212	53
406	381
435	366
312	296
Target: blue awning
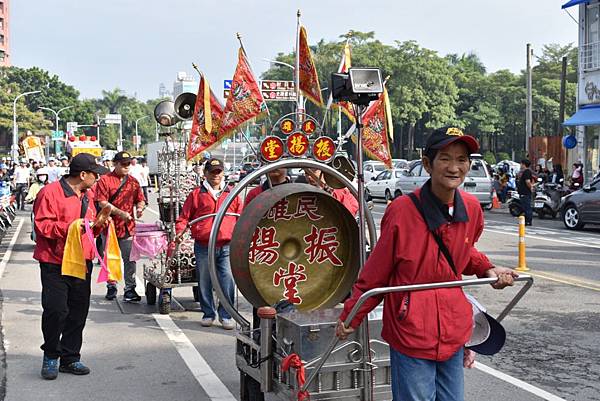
572	3
586	115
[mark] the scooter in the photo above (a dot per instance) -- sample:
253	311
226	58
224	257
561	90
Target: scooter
547	199
514	204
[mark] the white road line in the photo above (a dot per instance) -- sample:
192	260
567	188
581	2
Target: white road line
13	241
543	239
214	388
153	211
519	383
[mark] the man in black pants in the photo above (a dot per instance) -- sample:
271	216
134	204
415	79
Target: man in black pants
65	299
524	187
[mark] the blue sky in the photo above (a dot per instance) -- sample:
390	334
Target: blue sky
137	44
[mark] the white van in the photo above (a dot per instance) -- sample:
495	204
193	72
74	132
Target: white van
371	169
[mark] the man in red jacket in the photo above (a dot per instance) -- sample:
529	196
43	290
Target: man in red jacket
427	330
65	299
206	201
123	193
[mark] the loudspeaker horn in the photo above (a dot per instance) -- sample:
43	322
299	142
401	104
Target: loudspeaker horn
164	113
184	105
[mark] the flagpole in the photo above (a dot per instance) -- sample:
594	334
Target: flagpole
343	61
299	97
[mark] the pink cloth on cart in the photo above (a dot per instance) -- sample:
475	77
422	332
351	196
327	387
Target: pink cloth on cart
148	241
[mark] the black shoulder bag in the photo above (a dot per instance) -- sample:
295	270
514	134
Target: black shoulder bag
436	236
114	196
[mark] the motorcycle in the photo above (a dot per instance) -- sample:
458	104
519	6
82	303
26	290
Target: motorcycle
547	199
514	204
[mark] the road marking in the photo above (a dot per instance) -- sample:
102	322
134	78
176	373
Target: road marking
8	252
214	388
569	281
518	383
542	238
153	211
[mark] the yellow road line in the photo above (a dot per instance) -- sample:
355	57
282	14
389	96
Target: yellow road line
590	285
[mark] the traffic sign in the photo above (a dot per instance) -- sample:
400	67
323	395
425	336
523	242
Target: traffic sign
227	83
278	90
58	135
112	119
72	127
226	93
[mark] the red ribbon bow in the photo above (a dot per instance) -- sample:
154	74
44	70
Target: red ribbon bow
294	361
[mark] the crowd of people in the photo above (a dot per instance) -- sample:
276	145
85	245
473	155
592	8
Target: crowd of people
113	193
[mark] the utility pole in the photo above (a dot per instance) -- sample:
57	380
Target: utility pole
528	112
563	84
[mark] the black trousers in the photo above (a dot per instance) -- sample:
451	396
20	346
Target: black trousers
66	301
21	193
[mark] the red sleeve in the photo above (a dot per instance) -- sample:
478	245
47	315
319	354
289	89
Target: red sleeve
251	195
186	212
101	192
377	270
46	223
478	262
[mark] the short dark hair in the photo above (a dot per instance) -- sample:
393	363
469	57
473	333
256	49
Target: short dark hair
526	162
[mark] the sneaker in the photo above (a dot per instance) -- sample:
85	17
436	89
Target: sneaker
131	296
206	321
228	324
49	368
76	368
111	293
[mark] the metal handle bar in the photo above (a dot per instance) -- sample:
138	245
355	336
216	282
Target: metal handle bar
206	216
418	287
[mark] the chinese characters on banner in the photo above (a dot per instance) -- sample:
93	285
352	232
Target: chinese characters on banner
376	122
319	246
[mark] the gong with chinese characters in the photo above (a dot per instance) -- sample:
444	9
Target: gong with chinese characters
295	242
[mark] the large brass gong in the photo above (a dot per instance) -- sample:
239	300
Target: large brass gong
295	242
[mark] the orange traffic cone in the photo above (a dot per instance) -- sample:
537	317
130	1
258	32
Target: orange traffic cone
495	202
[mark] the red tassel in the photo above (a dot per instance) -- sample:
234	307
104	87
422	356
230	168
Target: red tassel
294	361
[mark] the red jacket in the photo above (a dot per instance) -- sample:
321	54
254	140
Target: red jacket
55	208
129	196
431	324
200	203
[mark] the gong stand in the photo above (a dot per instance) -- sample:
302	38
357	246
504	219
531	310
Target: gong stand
287	163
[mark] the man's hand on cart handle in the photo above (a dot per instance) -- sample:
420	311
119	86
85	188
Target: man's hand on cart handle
342	332
506	277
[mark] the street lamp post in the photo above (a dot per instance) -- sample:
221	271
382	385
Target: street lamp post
137	139
15	144
56	113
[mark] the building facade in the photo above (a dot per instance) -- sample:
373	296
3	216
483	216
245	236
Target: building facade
4	34
585	122
184	83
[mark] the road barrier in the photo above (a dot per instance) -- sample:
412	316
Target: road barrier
522	267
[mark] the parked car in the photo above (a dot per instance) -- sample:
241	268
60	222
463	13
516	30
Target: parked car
372	169
582	207
477	182
400	164
384	185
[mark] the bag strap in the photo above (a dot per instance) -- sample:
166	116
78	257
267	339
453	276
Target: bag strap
436	236
114	196
85	202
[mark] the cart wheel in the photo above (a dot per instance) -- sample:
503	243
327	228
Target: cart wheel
196	291
164	302
150	294
250	389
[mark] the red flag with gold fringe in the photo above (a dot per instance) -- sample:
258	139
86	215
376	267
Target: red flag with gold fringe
376	125
205	123
245	100
309	80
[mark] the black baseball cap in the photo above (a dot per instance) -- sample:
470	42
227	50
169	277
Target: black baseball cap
442	137
85	162
214	164
488	336
122	157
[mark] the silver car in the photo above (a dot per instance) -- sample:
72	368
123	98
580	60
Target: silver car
477	182
384	185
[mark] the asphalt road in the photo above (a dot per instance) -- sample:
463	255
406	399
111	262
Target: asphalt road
551	351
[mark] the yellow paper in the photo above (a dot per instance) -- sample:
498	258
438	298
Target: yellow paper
113	255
